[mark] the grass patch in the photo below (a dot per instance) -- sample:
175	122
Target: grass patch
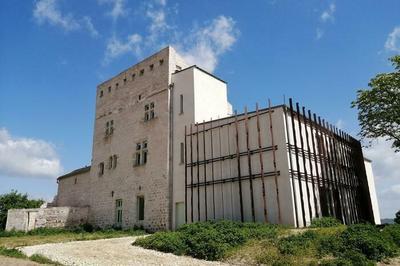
43	260
12	252
14	239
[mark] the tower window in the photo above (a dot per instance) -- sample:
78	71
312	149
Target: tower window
109	89
101	169
133	76
124	81
109	128
182	152
140	208
115	158
141	153
149	111
101	93
118	212
116	85
161	61
141	72
151	67
181	104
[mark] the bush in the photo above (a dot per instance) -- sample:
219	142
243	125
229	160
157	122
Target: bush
207	240
325	222
171	242
296	244
368	240
393	232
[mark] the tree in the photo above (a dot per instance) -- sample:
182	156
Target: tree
15	200
379	106
397	218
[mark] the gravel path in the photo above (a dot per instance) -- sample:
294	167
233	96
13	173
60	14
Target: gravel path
116	251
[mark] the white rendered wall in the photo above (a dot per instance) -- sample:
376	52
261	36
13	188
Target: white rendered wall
226	195
204	97
372	191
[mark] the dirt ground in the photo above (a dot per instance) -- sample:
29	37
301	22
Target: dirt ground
116	251
7	261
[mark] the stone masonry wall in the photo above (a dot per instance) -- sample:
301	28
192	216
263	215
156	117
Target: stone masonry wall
56	217
74	190
123	99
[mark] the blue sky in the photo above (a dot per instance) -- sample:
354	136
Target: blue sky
53	53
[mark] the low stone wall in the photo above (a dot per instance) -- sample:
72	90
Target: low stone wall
55	217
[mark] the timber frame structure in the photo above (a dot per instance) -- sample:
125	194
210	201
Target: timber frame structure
324	169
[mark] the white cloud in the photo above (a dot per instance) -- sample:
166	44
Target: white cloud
202	46
116	47
26	157
319	33
340	124
118	8
385	161
206	44
48	11
89	26
393	40
328	14
385	164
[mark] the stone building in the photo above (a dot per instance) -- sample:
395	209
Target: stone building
167	149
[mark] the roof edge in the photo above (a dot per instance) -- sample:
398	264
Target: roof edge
76	172
202	70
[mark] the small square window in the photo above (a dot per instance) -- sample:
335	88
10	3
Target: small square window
146	107
141	72
138	146
151	67
161	61
101	93
124	81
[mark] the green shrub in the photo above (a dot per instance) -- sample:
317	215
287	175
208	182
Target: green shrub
330	245
325	222
296	244
171	242
393	232
368	240
207	240
12	252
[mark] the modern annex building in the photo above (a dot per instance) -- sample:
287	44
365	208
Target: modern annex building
167	150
